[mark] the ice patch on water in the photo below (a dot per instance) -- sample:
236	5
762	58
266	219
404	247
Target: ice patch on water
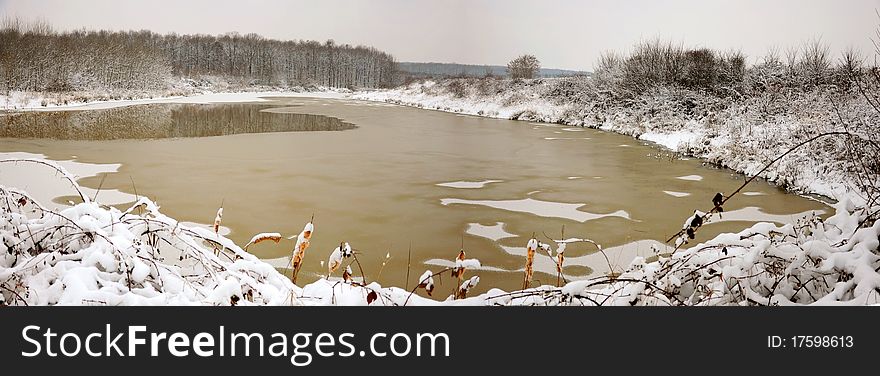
44	184
494	232
677	194
753	193
540	208
467	184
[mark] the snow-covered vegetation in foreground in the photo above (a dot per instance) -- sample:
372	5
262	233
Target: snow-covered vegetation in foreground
90	254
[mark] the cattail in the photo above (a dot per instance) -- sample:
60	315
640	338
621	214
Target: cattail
458	269
346	275
217	220
461	264
336	257
273	236
299	249
560	258
531	247
426	281
467	286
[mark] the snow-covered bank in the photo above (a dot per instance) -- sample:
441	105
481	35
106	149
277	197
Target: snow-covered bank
30	101
91	254
742	134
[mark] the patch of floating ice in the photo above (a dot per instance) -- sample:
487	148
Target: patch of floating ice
223	229
443	263
468	184
574	177
539	208
566	138
691	177
42	182
573	129
624	145
677	194
494	232
531	193
753	193
753	213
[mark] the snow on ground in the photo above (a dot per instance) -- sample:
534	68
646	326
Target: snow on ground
39	102
672	141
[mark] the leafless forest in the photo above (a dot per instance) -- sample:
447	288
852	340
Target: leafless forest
33	57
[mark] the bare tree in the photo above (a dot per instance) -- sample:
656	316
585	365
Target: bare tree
525	66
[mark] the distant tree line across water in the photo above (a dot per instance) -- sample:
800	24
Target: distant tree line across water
415	70
33	57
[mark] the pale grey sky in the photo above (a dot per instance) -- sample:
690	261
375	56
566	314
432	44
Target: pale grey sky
562	34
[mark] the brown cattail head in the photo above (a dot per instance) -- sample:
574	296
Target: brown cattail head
346	275
458	270
273	236
531	247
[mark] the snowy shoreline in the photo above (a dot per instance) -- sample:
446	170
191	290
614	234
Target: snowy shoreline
16	101
723	138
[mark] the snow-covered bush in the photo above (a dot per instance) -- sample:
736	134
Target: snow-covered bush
90	254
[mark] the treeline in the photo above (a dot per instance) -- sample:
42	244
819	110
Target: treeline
658	63
269	61
33	57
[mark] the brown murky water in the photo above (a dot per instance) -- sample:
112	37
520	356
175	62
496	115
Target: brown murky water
375	185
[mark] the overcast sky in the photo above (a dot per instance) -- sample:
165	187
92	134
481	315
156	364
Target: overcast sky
562	34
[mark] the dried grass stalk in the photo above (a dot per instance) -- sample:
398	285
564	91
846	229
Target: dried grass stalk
530	259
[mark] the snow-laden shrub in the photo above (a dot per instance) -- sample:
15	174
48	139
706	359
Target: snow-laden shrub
90	254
